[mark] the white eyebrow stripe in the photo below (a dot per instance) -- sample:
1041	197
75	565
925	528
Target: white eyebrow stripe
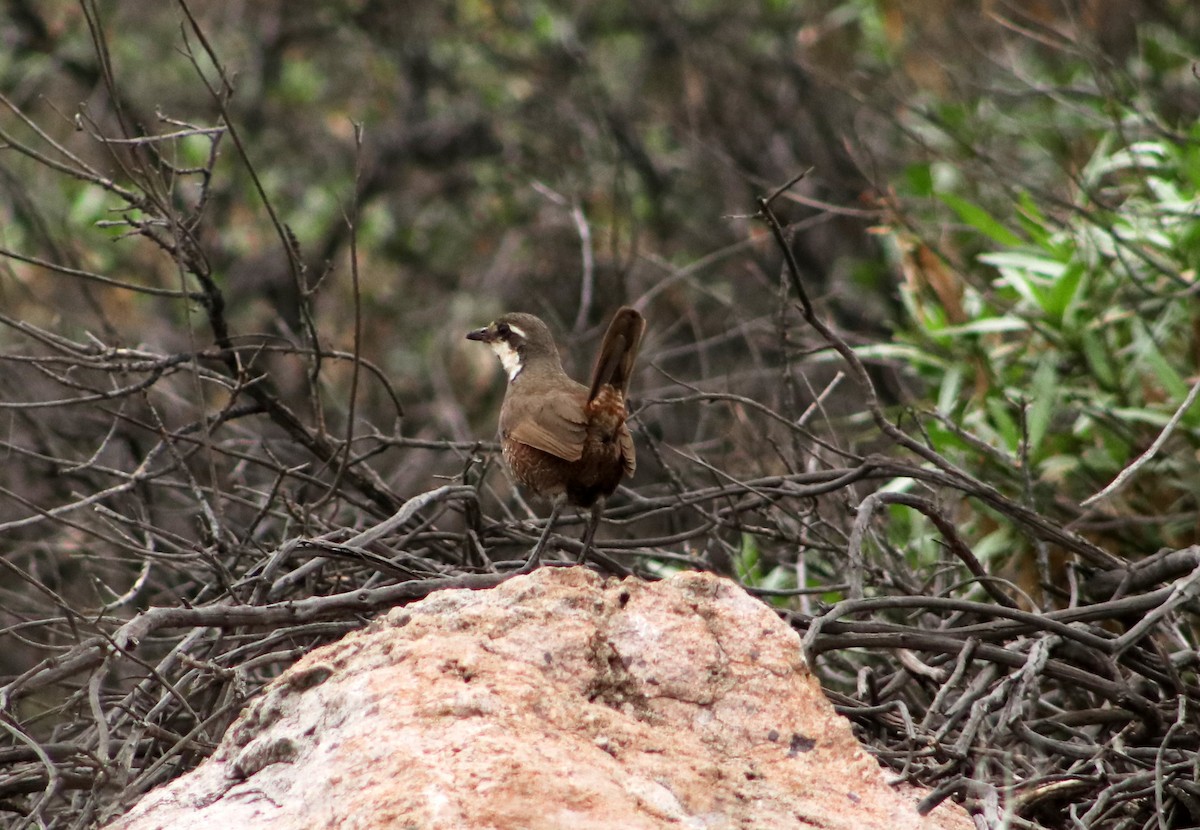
517	330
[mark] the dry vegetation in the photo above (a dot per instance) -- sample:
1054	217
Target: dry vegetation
932	400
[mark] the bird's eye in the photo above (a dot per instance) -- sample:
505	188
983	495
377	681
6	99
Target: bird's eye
503	330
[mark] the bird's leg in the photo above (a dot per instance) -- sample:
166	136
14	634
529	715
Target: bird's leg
535	556
590	533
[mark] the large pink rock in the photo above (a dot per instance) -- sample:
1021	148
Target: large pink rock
557	700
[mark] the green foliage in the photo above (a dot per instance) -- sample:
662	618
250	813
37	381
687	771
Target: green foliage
1079	341
751	568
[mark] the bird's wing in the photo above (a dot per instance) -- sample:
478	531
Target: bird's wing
557	427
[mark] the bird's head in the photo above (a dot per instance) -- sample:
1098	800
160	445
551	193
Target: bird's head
518	340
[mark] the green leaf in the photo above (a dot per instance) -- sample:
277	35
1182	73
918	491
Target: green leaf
1071	321
1140	415
89	206
993	545
906	355
1096	355
746	563
1189	163
919	178
980	219
1147	350
947	441
1034	223
1033	277
1004	424
991	325
1044	394
1022	282
1063	291
951	387
1018	260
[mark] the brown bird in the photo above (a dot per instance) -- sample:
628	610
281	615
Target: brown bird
562	440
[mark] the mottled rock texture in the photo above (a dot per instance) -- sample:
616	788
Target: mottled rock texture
557	700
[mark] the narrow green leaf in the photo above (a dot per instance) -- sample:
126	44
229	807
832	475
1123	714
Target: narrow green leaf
1071	320
981	220
1148	350
1062	293
1004	424
991	325
901	353
1022	282
1140	415
1044	394
1033	263
747	561
1034	223
1096	355
950	388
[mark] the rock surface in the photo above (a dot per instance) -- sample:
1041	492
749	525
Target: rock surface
557	700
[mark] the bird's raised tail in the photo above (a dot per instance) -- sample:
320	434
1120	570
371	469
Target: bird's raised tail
614	363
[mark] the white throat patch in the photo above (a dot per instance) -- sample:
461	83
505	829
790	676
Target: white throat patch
509	359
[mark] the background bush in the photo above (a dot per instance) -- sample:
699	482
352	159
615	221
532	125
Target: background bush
241	245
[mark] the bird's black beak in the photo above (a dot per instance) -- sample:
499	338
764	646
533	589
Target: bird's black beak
483	335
